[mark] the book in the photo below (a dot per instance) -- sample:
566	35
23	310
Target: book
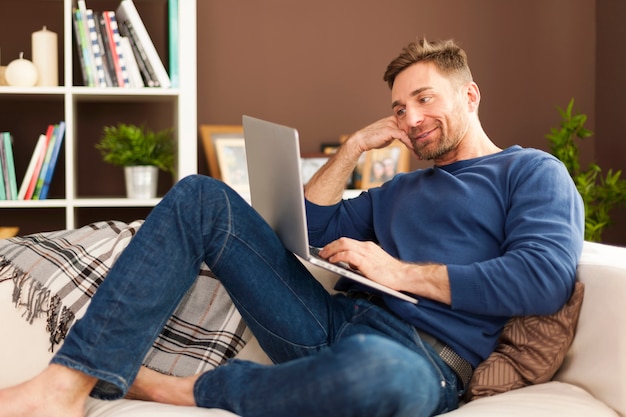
38	165
107	57
96	52
134	74
79	46
46	163
54	156
39	148
84	50
172	16
116	48
109	46
9	164
127	12
148	75
89	57
3	188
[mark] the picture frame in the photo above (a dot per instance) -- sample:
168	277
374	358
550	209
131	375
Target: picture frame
380	165
210	134
231	160
310	164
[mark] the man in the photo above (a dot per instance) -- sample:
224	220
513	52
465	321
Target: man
483	235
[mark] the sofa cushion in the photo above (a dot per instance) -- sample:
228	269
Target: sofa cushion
134	408
551	399
597	359
55	274
530	351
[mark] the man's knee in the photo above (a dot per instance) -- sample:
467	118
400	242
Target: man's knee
389	376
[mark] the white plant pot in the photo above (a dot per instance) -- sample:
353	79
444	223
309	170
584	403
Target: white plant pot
141	181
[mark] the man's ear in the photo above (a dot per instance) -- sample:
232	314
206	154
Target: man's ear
473	96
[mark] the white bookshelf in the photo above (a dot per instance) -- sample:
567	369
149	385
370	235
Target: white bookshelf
180	101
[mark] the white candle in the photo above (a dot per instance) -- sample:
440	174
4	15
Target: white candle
21	73
45	57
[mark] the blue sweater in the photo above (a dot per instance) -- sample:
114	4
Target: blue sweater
509	227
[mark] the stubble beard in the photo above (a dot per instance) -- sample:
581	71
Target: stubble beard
435	148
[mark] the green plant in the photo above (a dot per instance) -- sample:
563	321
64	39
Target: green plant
600	193
130	145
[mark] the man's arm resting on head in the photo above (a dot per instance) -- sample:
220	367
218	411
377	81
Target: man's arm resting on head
327	185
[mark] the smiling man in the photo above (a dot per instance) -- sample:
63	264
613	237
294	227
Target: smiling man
482	235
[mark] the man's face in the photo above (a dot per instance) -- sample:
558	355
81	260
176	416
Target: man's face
431	109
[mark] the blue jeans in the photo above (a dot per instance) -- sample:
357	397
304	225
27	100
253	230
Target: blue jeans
333	355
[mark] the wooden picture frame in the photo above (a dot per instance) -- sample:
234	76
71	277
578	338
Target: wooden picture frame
210	134
382	164
231	160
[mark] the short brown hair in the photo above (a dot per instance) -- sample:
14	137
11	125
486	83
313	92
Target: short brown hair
449	58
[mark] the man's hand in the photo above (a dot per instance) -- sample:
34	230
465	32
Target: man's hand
379	135
426	280
327	185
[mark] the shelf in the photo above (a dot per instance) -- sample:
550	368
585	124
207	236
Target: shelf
82	185
80	202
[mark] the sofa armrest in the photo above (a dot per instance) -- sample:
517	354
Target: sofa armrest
596	360
24	351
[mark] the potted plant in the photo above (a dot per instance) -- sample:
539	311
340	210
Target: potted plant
600	193
141	152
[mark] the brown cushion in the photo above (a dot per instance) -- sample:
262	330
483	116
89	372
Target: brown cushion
530	350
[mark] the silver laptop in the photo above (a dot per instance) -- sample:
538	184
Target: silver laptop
277	193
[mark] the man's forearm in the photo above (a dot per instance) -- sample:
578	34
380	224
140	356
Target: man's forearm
327	185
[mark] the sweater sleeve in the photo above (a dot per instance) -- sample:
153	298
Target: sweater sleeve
544	235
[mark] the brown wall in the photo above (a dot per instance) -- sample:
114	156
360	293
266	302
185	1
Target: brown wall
611	101
318	65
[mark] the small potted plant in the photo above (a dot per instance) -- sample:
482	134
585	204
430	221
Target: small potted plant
141	152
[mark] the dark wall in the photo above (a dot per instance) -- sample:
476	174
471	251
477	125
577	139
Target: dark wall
611	101
318	65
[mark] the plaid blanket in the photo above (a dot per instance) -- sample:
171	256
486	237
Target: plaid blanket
56	273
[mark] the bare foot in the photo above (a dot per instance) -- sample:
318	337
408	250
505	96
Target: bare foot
154	386
57	391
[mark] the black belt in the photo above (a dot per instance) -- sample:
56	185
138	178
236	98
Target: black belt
460	366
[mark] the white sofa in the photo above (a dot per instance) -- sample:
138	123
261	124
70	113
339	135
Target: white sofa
591	382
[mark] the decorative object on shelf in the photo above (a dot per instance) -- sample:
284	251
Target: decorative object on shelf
129	145
382	164
3	69
141	181
210	135
7	232
599	193
21	73
231	159
45	57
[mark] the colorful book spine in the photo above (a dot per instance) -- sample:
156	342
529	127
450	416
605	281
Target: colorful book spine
39	148
30	191
106	51
118	53
84	35
145	68
96	52
9	163
3	185
54	156
81	52
46	163
134	74
109	64
127	12
173	29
